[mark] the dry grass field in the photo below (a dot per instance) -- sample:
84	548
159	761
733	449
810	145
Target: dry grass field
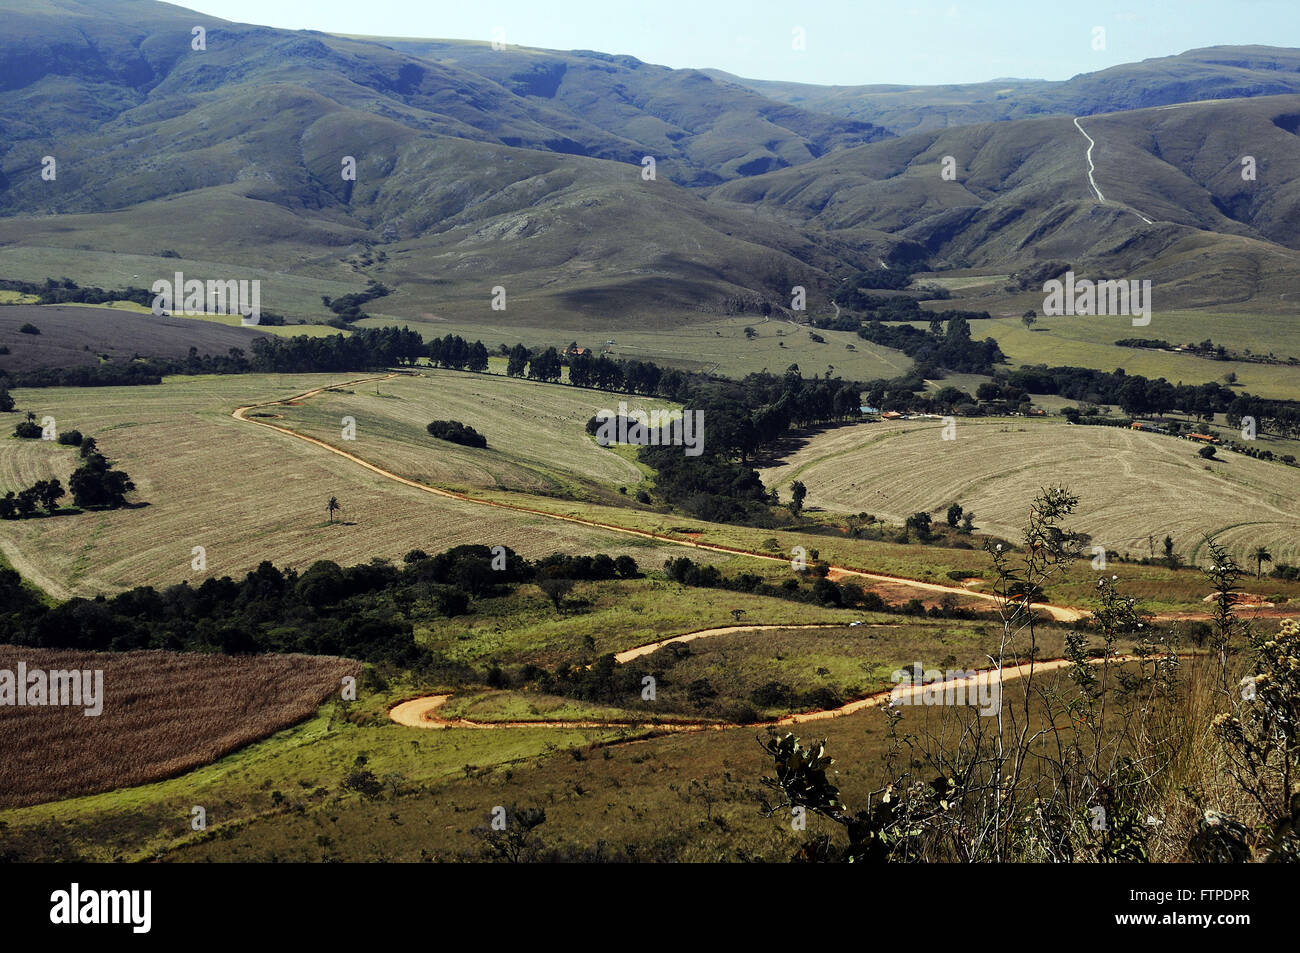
1130	485
245	493
163	713
535	433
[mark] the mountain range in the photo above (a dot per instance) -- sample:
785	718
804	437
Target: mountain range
527	169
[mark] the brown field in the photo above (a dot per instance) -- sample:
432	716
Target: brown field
163	713
76	336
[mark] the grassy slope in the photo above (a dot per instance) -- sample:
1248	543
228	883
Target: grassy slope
1130	485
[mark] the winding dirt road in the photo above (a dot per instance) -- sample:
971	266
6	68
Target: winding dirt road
422	712
1092	168
1059	613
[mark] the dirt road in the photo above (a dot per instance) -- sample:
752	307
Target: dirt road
422	712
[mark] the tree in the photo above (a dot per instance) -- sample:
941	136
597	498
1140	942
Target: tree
556	589
6	401
968	521
49	492
517	361
1261	555
333	507
954	513
919	523
1207	452
514	841
96	483
1028	318
798	492
27	502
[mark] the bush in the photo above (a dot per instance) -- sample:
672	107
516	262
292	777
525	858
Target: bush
70	438
457	432
28	430
1206	452
29	328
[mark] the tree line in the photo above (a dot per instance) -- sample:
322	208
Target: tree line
362	612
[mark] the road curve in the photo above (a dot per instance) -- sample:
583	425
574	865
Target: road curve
1059	613
422	712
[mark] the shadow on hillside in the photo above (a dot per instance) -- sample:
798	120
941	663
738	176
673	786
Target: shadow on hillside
794	441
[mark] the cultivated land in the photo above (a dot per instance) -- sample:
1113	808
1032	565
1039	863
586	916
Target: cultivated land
163	713
82	336
709	343
1130	485
244	493
537	441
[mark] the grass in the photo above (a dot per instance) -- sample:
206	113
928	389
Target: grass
614	616
713	344
1090	341
536	435
688	797
243	492
1131	485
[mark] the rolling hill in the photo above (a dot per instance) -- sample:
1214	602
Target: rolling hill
1221	72
517	168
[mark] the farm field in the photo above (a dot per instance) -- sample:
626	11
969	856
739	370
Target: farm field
1090	342
162	714
79	335
244	493
1164	590
1130	485
713	344
537	441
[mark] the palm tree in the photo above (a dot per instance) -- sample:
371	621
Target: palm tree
333	506
1261	555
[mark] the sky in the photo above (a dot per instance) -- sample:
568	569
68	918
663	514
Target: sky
845	42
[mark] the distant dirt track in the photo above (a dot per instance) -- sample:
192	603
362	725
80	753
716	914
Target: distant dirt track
420	712
1059	613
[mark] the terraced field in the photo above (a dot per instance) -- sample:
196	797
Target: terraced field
1130	485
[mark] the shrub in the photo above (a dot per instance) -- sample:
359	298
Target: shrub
457	432
29	328
70	438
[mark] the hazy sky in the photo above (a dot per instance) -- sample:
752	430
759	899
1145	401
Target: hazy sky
847	41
